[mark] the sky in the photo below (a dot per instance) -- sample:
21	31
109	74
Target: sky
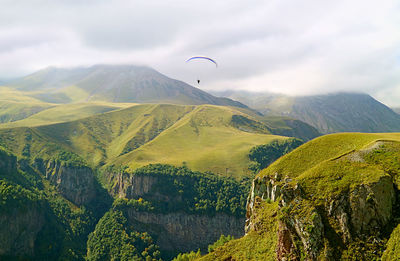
292	47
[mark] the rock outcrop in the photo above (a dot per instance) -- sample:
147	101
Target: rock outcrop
19	229
362	212
75	183
186	232
177	229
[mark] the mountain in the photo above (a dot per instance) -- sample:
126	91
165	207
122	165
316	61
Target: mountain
333	198
112	83
339	112
396	110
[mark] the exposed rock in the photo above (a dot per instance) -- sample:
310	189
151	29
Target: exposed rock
132	186
19	229
286	247
359	213
186	232
264	189
371	206
74	183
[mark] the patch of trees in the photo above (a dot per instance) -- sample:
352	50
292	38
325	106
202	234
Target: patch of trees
115	239
263	155
181	189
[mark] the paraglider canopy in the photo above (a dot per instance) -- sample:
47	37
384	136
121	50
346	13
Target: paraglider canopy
204	58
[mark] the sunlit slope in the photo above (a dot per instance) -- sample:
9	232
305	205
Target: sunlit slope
205	137
15	105
328	170
64	112
323	149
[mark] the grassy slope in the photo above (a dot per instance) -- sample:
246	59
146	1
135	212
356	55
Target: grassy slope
64	113
202	136
205	140
322	149
258	245
15	105
322	170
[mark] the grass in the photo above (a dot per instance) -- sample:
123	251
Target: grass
322	149
201	137
204	140
64	113
256	245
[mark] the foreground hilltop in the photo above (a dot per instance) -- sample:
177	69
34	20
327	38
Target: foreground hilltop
112	83
333	198
337	112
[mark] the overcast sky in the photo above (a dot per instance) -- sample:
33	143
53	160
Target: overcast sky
293	47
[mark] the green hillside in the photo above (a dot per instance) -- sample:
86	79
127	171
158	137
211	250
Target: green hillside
336	198
15	105
203	137
62	113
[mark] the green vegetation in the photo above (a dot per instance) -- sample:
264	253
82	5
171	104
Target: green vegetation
188	191
392	249
114	239
263	155
220	242
60	113
321	149
144	134
328	169
188	256
256	245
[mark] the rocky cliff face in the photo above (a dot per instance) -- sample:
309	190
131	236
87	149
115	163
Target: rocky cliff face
131	186
176	230
19	229
322	230
76	184
186	232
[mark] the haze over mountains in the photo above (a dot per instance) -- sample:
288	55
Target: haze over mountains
112	83
338	112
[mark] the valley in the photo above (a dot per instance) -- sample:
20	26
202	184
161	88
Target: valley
94	173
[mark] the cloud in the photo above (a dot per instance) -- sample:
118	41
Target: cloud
294	47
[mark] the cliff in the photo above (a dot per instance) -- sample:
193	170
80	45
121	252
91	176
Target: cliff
185	232
19	228
75	183
341	204
184	215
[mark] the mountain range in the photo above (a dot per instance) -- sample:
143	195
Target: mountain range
124	163
337	112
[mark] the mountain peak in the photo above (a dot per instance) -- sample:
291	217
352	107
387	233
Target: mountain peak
113	83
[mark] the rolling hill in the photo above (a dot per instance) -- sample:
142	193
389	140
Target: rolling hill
203	137
57	113
339	112
112	83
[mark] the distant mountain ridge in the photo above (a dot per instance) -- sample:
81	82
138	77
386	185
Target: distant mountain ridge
338	112
113	83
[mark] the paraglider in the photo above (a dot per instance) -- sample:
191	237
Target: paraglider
202	58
